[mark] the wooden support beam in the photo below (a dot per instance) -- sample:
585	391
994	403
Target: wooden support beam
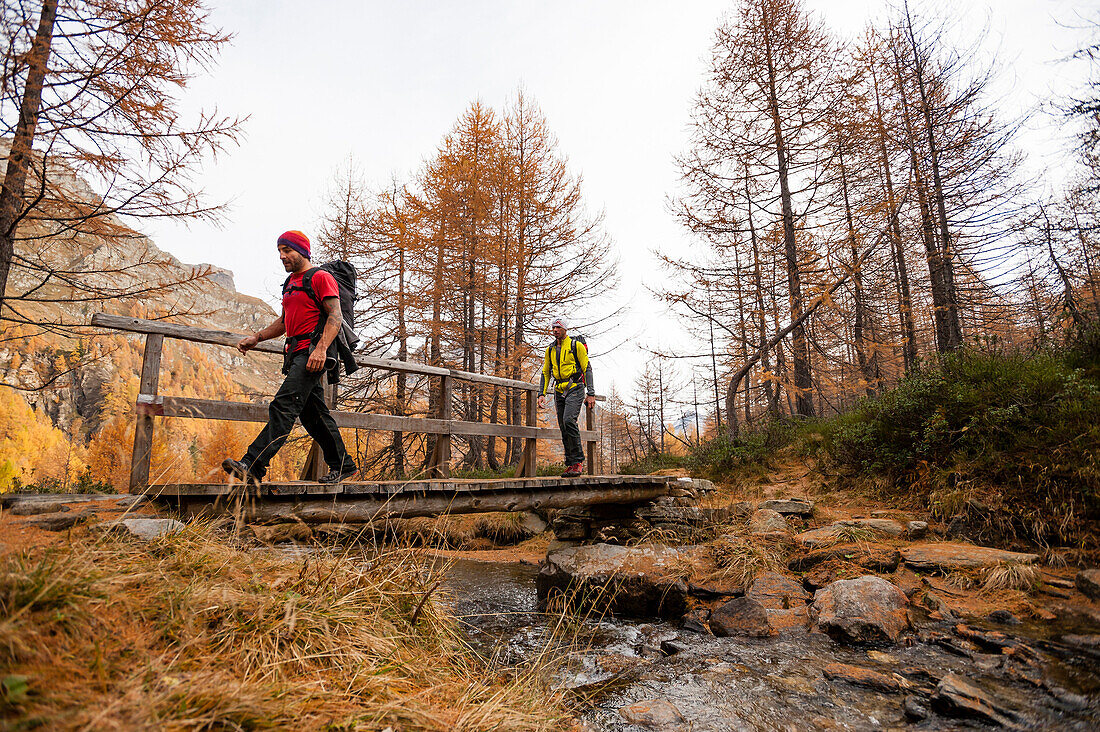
440	466
590	424
142	458
370	508
170	406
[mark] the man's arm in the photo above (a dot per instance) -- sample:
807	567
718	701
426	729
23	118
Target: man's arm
274	330
333	321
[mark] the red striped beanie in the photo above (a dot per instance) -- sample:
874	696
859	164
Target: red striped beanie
297	241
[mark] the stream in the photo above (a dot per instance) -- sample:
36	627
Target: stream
753	684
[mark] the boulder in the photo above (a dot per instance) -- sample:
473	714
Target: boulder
741	617
865	610
149	528
951	557
790	506
58	522
916	529
794	620
31	507
637	581
766	521
702	485
655	714
777	591
957	697
875	557
882	525
1088	583
859	676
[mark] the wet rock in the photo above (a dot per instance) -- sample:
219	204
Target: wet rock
673	646
58	522
865	610
34	508
696	621
741	617
1088	644
859	676
936	604
655	714
949	557
916	529
1003	617
957	697
914	708
766	521
875	557
149	528
777	591
791	506
637	581
282	533
1088	583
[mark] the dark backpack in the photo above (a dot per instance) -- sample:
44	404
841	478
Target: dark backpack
345	275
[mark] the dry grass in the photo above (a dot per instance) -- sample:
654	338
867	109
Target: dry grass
1010	576
739	559
187	633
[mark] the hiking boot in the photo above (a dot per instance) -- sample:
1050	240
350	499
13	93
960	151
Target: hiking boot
572	471
240	471
339	476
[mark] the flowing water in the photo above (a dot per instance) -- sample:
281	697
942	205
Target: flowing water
739	683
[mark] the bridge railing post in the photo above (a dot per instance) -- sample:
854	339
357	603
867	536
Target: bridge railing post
590	422
142	457
440	465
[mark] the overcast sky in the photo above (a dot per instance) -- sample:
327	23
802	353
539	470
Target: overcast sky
385	81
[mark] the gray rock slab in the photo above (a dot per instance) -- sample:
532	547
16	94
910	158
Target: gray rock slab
34	508
149	528
58	521
792	506
865	610
1088	583
950	557
767	521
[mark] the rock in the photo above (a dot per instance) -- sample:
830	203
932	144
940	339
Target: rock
766	521
875	557
712	587
949	557
1088	583
884	526
659	515
30	507
791	506
149	528
859	676
532	522
1004	617
636	581
814	538
702	485
566	529
916	529
829	572
742	509
696	620
673	646
865	610
935	603
794	620
282	533
914	708
777	592
741	617
132	501
656	714
56	522
957	697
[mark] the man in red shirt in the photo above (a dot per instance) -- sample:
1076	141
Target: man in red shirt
306	358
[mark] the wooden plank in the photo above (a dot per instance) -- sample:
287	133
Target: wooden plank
338	509
349	489
226	338
142	456
441	456
171	406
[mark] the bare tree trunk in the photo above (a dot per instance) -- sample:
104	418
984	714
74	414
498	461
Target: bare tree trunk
15	177
865	368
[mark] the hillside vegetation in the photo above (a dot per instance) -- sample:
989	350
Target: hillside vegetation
1010	441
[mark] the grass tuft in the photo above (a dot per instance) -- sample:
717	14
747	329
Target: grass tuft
1011	576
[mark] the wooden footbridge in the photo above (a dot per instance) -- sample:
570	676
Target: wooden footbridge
356	501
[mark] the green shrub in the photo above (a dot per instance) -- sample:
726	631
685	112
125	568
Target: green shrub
726	457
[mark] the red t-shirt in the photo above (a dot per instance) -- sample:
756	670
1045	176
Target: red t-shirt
300	312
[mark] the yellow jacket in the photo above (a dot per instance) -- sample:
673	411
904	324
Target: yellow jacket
558	364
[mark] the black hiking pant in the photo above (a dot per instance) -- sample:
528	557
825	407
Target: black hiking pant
300	397
569	408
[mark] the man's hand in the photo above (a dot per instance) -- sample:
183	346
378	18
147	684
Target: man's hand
542	401
590	401
316	360
247	343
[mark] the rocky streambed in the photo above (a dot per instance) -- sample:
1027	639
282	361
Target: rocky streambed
859	624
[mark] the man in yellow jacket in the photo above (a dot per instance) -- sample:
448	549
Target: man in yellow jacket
566	362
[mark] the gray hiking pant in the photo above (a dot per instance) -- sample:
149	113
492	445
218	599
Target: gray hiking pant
569	408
